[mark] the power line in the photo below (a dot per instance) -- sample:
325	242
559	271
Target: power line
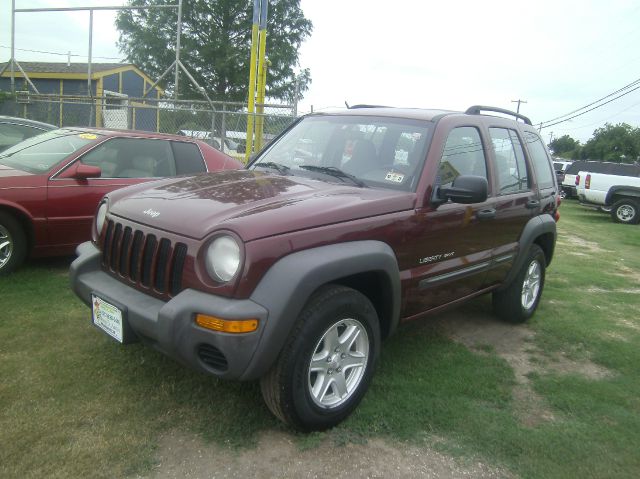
60	54
633	83
599	122
590	109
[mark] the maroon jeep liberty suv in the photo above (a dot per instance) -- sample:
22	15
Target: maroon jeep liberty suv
293	270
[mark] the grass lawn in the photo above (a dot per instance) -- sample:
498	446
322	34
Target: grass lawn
73	403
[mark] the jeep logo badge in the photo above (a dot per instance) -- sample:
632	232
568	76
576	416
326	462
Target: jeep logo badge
152	213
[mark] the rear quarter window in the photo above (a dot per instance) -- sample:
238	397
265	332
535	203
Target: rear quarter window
540	160
188	158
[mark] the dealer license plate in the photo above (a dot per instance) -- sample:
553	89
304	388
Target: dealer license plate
107	317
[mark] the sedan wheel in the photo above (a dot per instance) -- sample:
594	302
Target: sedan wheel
13	243
6	246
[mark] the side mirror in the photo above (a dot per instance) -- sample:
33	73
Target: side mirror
241	148
87	171
466	189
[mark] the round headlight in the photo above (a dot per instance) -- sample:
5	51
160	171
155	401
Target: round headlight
100	216
223	258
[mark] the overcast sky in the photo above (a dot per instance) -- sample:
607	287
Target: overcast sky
556	55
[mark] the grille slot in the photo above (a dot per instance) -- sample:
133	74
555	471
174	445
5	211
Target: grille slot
212	357
147	259
149	262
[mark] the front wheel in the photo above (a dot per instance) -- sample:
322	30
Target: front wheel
327	362
13	244
519	300
625	211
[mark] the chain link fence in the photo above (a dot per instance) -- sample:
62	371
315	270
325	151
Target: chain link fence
222	124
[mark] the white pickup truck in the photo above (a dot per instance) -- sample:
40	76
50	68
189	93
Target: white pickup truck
620	193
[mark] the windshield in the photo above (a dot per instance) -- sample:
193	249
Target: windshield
40	153
366	150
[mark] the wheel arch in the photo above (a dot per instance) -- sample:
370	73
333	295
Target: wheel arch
540	230
617	193
23	218
369	267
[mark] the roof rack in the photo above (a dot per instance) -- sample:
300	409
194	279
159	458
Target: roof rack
355	107
477	109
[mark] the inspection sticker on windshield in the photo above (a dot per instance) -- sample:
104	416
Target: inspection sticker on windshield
88	136
395	177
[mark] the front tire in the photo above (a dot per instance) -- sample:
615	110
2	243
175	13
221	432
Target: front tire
13	244
520	299
327	363
625	211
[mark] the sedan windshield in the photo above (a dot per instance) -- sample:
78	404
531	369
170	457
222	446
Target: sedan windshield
357	150
42	152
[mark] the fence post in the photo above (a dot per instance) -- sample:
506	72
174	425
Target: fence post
223	127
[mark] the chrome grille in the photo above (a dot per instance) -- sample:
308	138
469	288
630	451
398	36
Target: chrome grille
151	263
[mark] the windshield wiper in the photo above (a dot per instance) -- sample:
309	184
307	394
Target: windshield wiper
282	169
335	172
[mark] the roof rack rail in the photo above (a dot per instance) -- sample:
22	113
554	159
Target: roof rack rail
477	109
354	107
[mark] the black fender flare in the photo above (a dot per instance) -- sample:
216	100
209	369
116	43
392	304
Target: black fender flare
621	190
288	284
537	227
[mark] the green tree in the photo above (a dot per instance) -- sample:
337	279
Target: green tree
619	143
216	45
564	146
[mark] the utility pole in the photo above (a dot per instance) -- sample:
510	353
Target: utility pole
518	102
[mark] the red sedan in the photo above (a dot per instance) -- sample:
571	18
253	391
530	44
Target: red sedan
50	185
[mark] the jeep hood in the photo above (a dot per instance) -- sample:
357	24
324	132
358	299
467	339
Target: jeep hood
253	204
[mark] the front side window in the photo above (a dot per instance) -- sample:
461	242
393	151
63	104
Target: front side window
40	153
369	151
510	164
132	158
541	162
462	155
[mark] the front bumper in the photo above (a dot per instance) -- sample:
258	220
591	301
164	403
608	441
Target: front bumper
169	326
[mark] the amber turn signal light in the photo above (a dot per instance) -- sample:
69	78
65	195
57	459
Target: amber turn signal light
226	325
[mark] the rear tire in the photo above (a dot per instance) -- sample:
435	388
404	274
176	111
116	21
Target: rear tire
13	244
625	211
327	363
520	299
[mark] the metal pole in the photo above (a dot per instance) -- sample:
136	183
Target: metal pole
89	88
223	127
296	92
252	79
13	46
262	74
175	93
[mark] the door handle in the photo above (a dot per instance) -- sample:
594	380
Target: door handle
531	204
486	214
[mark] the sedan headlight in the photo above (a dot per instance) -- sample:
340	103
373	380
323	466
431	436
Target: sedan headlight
223	258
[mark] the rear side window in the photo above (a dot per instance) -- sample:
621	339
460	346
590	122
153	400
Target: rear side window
188	158
463	155
540	160
511	167
11	133
132	158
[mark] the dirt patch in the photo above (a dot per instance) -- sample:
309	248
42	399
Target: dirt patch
628	273
277	455
514	343
577	242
